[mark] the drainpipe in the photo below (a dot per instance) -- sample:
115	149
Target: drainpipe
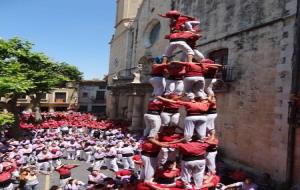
292	105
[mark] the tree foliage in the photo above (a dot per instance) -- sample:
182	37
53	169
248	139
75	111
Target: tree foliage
25	72
6	119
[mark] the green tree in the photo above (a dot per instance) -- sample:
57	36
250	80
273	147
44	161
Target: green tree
6	119
46	74
25	72
13	78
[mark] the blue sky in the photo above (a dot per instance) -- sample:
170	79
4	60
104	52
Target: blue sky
74	31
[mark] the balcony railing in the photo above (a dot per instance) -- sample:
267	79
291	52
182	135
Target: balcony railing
228	73
225	77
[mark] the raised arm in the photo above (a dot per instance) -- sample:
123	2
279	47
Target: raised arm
158	143
166	99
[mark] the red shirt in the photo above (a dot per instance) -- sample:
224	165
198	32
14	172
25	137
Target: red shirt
162	173
170	138
191	148
123	173
175	70
138	159
181	36
158	69
66	169
155	105
170	106
142	186
7	171
179	24
149	147
193	69
209	71
195	107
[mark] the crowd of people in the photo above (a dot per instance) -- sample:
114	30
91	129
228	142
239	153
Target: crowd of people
49	150
67	119
166	157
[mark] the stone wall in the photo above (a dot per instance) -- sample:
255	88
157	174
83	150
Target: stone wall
252	121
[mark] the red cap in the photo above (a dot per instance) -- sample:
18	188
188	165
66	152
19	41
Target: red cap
171	14
53	151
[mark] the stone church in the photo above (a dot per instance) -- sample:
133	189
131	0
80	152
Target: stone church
256	41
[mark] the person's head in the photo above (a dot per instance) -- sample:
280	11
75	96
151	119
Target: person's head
44	151
94	172
248	180
71	181
169	165
17	157
126	145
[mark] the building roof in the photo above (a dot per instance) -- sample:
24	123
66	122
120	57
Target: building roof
92	82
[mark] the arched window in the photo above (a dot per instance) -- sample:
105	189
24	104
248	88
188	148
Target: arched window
154	34
151	33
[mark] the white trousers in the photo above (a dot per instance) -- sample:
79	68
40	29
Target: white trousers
182	45
193	169
198	123
56	163
174	86
71	155
209	84
195	85
210	123
88	157
43	166
169	119
148	169
158	84
152	123
112	164
197	55
166	154
98	164
211	161
128	162
63	182
78	153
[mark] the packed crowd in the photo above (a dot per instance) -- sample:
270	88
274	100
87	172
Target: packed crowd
68	119
22	160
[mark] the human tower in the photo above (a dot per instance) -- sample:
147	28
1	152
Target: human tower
167	154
